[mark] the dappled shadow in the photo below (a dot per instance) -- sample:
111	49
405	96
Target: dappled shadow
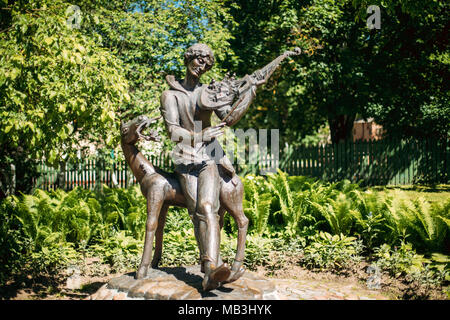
23	287
183	275
92	287
194	279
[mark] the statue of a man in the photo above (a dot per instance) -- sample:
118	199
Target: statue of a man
187	108
190	127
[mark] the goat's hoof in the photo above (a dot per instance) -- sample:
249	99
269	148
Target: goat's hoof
235	275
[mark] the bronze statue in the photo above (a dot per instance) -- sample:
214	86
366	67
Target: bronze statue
162	189
204	180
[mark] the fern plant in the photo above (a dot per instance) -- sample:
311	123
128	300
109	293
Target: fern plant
423	222
371	213
338	214
292	205
257	203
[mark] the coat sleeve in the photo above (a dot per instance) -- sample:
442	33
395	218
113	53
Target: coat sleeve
169	111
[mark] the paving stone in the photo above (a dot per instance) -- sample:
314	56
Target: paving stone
109	295
188	294
104	294
120	296
122	283
185	283
141	288
96	294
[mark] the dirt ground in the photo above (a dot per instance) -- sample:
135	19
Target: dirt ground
62	287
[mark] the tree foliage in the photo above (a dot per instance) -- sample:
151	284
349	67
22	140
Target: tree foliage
395	74
409	68
150	38
63	88
58	89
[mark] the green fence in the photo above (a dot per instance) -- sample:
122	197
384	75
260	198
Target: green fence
384	162
91	173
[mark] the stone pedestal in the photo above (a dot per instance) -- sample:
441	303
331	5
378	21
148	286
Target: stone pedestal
184	283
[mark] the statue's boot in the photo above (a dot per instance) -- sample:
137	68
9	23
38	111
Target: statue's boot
202	264
217	275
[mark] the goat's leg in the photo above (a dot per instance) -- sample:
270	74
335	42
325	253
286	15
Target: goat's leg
221	215
237	212
232	202
159	236
155	202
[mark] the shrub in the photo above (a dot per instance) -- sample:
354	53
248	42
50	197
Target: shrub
371	213
405	262
331	252
13	242
52	259
291	202
180	248
337	213
121	251
256	203
257	251
399	261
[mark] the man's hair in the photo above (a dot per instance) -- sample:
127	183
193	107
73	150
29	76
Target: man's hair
199	50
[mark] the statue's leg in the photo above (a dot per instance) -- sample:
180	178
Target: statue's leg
208	190
159	236
155	201
188	184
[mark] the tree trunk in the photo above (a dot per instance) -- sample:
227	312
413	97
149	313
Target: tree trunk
98	174
61	178
341	127
13	180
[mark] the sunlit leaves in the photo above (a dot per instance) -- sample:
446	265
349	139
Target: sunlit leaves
58	88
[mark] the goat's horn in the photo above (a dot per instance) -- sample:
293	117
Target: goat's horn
155	119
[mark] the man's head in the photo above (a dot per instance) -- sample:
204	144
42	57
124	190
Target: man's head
198	58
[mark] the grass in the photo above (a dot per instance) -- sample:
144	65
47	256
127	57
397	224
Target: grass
437	193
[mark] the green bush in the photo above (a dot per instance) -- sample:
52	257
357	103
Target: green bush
13	242
257	251
404	261
256	203
52	259
399	261
371	212
296	218
121	252
425	224
331	252
180	248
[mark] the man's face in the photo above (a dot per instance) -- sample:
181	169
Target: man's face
197	66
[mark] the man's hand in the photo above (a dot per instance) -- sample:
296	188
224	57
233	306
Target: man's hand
210	133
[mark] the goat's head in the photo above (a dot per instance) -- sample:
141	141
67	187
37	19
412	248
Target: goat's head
131	131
